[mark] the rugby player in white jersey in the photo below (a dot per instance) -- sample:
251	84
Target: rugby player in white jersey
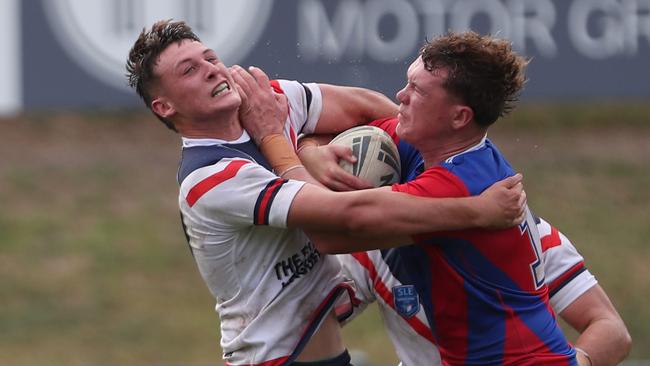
275	293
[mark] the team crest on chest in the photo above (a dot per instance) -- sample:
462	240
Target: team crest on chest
406	300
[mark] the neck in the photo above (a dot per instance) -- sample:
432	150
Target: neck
226	127
437	152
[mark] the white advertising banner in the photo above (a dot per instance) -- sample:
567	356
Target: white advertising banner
10	61
72	53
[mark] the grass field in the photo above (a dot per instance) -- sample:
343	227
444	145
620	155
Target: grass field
94	269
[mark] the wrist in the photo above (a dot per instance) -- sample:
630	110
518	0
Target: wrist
259	135
583	357
306	143
306	149
279	153
476	212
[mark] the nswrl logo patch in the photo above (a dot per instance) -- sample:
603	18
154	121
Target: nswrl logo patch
406	300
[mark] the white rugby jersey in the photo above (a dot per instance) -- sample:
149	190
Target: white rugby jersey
272	287
376	273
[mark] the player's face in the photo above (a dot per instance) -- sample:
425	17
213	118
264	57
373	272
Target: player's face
425	106
194	83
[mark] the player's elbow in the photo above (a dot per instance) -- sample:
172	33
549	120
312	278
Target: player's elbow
626	342
620	336
328	247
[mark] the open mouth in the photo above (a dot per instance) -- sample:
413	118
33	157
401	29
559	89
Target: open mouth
223	87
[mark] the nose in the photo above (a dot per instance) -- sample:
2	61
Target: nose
211	70
402	95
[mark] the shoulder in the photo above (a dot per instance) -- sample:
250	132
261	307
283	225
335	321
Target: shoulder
223	174
436	181
197	157
479	167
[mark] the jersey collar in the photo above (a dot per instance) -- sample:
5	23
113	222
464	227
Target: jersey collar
191	142
481	143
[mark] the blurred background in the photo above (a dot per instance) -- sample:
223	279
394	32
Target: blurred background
94	267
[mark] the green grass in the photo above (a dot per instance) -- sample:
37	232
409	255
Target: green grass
94	268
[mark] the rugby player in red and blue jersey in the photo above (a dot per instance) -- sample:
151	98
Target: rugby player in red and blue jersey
400	280
489	304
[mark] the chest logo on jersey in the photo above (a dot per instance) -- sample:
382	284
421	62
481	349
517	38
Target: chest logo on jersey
297	265
406	300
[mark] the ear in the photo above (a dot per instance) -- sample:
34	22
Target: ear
162	107
463	115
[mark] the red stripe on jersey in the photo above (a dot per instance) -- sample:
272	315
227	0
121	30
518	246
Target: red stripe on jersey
266	201
522	346
450	307
381	289
276	86
561	281
276	362
214	180
389	125
551	240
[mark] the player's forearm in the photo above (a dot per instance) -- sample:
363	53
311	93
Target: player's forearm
606	341
379	213
284	160
345	107
498	207
401	214
376	106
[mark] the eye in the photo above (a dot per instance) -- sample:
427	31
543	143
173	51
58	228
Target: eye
188	70
212	60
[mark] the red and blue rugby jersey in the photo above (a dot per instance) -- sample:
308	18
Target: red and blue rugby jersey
483	291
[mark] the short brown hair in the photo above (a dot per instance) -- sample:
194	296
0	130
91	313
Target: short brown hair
144	55
484	72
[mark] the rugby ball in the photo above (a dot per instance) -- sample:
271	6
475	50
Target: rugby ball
377	155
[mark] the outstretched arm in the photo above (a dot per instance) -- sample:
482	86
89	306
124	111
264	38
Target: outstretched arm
379	218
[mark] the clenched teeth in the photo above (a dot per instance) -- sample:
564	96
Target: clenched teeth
222	87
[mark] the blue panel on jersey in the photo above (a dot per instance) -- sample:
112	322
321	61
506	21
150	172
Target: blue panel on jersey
196	157
480	168
410	160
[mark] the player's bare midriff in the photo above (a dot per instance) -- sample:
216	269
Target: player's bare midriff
325	343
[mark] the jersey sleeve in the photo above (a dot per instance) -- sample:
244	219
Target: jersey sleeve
434	182
236	193
305	104
389	125
566	275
